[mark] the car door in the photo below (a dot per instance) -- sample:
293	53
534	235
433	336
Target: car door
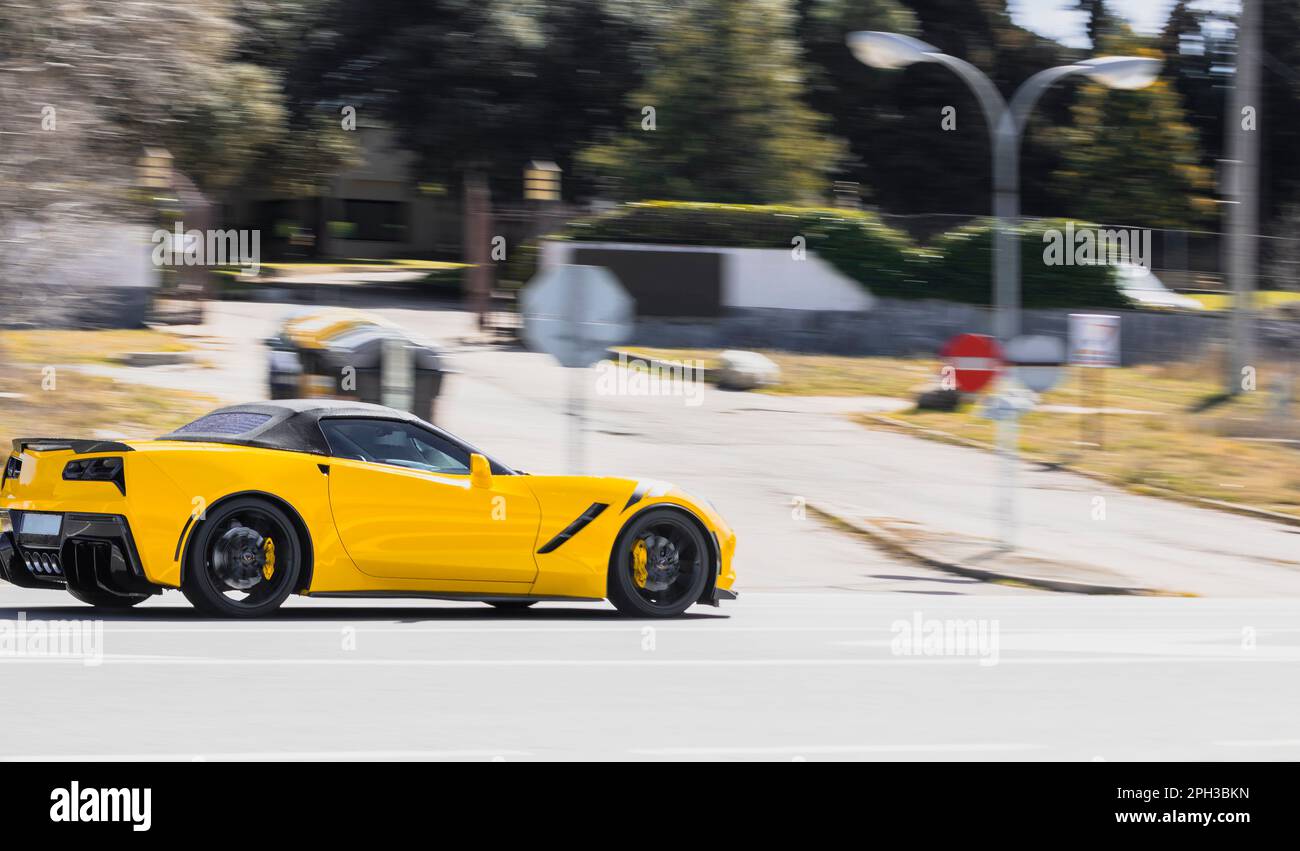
405	509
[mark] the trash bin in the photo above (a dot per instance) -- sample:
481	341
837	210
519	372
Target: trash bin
342	355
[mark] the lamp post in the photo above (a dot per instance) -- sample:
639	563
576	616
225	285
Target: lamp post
1006	123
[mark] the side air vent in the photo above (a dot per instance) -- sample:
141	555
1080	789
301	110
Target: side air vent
575	527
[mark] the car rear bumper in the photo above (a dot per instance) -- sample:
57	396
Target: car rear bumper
91	552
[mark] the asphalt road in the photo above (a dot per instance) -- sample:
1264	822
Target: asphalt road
776	675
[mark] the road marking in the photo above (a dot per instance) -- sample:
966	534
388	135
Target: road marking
795	750
270	756
112	629
1259	743
639	663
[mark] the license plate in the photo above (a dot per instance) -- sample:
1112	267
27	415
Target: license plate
47	525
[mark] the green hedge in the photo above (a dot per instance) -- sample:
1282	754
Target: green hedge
448	282
961	269
957	266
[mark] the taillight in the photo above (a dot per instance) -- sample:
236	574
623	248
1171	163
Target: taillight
97	470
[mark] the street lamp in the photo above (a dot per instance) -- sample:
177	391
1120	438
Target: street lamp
1006	122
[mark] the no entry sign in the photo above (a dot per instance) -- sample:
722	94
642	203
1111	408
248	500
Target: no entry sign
975	360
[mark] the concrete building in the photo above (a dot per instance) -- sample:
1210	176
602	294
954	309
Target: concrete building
374	210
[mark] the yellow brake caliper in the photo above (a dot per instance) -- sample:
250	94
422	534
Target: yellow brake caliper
639	559
268	569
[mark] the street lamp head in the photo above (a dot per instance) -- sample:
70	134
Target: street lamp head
1122	72
889	51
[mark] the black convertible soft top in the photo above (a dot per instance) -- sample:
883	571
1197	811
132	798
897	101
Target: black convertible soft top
290	424
294	425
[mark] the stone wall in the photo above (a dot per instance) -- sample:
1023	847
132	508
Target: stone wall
899	327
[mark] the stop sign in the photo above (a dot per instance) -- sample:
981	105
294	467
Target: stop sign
975	359
575	313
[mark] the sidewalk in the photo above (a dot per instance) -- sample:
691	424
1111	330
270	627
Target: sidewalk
983	559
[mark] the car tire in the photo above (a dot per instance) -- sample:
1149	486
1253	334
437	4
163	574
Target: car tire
105	600
223	544
690	545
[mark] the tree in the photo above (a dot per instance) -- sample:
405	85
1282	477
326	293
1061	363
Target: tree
478	86
84	88
722	116
918	136
1197	45
1278	117
1101	23
474	88
1130	158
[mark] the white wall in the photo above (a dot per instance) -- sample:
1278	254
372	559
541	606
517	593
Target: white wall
752	277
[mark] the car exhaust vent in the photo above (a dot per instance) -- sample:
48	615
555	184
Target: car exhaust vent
43	563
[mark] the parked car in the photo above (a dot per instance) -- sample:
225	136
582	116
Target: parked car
1142	286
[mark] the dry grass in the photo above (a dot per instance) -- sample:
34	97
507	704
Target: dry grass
1264	299
66	403
44	346
1174	445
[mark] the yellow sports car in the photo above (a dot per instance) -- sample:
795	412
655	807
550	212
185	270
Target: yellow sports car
328	498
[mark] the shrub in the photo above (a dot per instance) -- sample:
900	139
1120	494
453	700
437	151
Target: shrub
961	269
448	281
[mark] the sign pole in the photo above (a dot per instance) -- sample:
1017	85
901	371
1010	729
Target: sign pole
575	313
397	375
1094	346
1036	363
576	424
1084	437
1008	438
577	419
1101	409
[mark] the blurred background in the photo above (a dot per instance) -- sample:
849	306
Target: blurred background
752	183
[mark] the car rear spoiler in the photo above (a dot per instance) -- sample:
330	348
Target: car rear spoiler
81	447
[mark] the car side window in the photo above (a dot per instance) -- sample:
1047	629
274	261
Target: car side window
396	443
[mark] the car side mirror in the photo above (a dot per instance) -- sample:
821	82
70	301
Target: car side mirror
480	471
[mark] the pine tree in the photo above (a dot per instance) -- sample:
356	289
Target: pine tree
722	116
1131	158
1101	23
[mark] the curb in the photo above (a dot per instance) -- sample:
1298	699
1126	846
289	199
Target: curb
895	544
147	359
1144	490
706	373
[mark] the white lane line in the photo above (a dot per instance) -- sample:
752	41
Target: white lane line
1259	743
1091	633
269	756
638	663
796	750
112	629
